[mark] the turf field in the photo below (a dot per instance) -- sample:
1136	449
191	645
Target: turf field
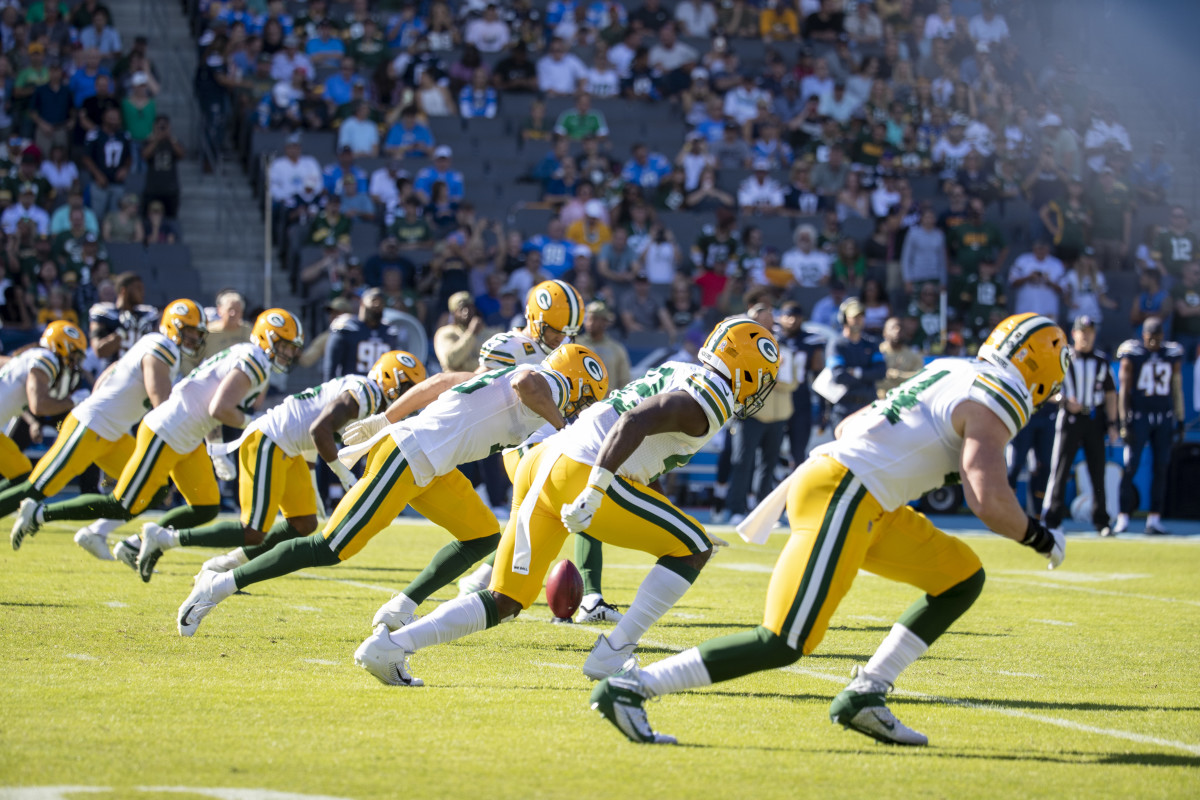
1081	682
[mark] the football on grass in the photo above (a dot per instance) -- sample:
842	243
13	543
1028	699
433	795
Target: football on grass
564	589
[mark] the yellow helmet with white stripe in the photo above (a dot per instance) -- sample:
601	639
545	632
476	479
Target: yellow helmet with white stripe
276	327
1032	348
396	372
179	318
66	341
555	305
583	373
747	355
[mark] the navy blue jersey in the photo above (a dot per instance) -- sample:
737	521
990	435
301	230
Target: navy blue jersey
105	319
1152	371
353	348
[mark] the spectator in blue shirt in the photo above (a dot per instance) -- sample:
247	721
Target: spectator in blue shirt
603	14
408	138
276	12
440	171
645	169
325	48
237	12
339	87
100	36
477	101
557	11
1152	177
554	249
335	174
407	28
83	81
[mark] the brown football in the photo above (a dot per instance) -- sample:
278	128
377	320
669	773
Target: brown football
564	589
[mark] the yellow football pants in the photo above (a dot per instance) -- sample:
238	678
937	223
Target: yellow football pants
838	528
153	461
77	448
12	461
387	486
270	481
632	515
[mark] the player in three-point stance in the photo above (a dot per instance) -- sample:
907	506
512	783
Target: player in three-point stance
595	476
848	507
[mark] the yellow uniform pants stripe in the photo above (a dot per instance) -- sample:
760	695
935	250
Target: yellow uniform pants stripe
77	448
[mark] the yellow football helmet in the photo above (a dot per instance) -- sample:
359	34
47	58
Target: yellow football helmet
584	374
178	317
748	356
66	341
554	304
276	326
1032	347
396	372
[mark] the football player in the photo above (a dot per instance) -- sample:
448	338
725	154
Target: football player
415	462
116	327
97	430
37	380
170	439
595	476
848	507
274	453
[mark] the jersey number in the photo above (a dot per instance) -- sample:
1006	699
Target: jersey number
369	352
1155	379
1181	249
477	383
905	395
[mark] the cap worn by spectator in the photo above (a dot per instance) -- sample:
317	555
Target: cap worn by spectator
598	308
330	241
1084	323
458	300
852	307
1050	121
139	79
791	308
37	47
641	276
442	151
594	209
1089	251
762	165
581	251
294	138
341	305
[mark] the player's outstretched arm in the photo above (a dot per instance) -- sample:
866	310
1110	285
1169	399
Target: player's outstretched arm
534	392
224	406
331	420
156	376
37	392
424	393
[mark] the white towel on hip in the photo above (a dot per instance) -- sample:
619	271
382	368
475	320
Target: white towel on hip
522	549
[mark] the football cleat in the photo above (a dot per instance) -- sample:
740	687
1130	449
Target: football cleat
601	612
154	541
477	581
385	659
94	543
26	524
621	700
226	562
862	707
391	615
1105	532
126	551
1121	525
606	660
1154	529
198	604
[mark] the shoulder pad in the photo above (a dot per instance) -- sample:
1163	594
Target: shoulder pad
708	230
91	136
1129	348
1172	350
345	322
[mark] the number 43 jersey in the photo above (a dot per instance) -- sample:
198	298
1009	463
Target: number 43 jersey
1152	371
905	444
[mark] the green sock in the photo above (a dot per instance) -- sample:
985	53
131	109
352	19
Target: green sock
280	532
10	498
285	558
738	654
491	560
16	480
182	517
219	534
87	506
448	563
930	616
589	557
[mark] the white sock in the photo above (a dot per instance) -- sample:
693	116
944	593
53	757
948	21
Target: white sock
223	586
134	541
39	516
407	604
171	539
589	601
1152	520
240	556
661	589
482	574
1123	517
720	490
452	620
678	673
104	526
899	648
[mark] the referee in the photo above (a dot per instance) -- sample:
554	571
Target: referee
1088	411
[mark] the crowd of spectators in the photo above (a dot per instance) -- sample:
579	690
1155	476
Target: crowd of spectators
86	161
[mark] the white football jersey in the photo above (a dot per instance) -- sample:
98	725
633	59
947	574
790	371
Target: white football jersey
905	444
509	349
183	420
121	401
471	421
660	452
287	424
13	399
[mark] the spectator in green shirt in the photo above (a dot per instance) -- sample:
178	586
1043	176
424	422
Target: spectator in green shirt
1112	220
1176	245
34	75
582	121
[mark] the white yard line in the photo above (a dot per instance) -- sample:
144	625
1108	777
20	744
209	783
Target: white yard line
1050	584
373	587
322	661
1054	622
82	657
116	604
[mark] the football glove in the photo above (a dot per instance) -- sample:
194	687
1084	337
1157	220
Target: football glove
363	430
577	516
224	467
345	476
1051	544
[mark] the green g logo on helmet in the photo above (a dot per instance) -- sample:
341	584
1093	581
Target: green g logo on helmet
768	349
543	300
593	368
277	320
407	360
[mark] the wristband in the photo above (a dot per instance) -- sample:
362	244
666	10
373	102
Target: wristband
600	479
1038	537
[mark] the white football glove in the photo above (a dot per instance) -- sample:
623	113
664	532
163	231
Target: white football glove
224	467
345	476
363	430
1059	552
1050	543
577	516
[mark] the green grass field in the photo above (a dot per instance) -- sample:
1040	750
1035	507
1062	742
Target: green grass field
1081	682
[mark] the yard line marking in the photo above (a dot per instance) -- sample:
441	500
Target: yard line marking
1018	674
740	567
1072	577
1055	622
1092	590
116	604
683	615
556	665
868	617
306	608
322	661
82	657
371	586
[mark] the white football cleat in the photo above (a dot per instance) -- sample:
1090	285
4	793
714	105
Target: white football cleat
601	612
862	707
226	562
392	615
606	660
1121	525
26	523
477	581
126	551
198	604
621	700
385	659
155	539
94	543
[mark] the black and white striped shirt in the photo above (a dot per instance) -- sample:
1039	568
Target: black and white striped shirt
1087	380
